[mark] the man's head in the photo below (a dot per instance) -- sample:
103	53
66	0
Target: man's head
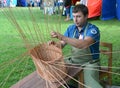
81	8
80	15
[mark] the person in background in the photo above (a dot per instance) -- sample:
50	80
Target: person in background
84	39
67	5
41	4
5	3
59	5
1	4
31	3
48	7
83	2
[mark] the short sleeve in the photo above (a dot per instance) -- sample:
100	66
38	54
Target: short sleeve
94	33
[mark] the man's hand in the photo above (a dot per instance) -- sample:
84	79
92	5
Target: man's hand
59	36
56	35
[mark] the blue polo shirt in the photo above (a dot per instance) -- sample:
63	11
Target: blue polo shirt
91	31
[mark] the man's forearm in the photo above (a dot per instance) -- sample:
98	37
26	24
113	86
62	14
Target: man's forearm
78	43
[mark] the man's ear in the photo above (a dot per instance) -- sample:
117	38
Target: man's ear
86	17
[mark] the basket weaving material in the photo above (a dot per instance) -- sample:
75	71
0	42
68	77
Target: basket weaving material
48	59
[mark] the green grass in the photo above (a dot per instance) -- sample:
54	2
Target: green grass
14	65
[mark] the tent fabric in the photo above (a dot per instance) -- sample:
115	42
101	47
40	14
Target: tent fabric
23	3
108	9
94	7
118	9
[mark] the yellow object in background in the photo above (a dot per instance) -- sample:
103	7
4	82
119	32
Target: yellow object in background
78	2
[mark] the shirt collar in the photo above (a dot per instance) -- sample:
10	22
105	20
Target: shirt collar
83	28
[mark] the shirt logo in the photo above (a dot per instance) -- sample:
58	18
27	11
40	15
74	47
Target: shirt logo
93	31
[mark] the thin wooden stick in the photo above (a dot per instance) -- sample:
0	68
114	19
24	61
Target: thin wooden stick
89	68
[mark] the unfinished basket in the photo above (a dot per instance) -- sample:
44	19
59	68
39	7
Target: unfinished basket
49	62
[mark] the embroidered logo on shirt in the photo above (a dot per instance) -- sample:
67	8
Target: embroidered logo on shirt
93	31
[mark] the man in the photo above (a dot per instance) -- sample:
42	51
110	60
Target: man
84	39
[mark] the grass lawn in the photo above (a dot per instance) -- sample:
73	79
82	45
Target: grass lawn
34	28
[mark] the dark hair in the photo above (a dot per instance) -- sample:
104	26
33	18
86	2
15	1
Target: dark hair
80	8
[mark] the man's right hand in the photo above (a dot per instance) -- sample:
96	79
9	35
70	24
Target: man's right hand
56	35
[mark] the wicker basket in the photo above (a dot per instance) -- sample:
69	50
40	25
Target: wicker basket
45	58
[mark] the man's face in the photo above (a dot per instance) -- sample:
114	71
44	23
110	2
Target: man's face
79	19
